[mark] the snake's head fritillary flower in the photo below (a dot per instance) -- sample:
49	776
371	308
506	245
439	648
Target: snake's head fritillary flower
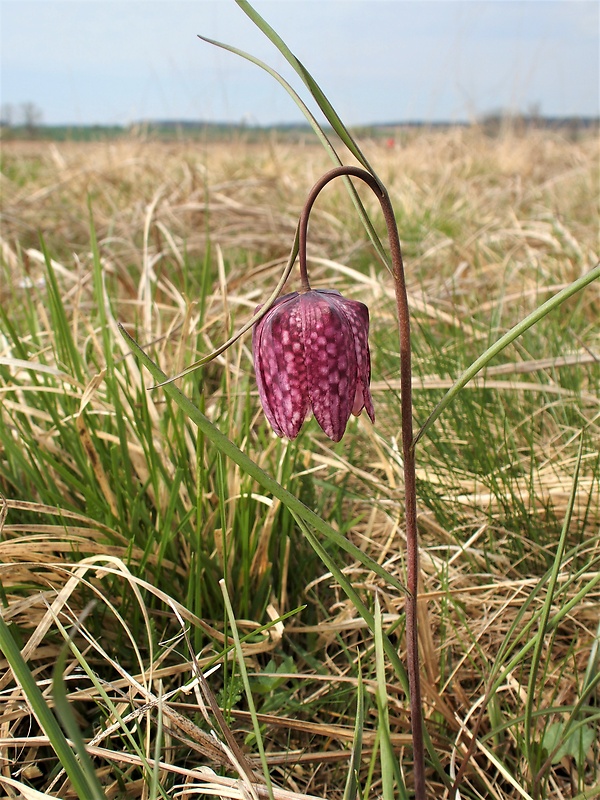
311	352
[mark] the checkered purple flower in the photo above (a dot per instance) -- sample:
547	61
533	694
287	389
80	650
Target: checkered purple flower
311	352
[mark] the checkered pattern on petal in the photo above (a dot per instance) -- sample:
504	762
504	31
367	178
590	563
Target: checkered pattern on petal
311	351
280	366
357	315
330	361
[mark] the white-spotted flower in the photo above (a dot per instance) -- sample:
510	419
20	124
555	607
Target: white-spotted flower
311	352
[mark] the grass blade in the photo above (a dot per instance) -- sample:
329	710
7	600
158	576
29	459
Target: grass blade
68	721
383	716
249	699
328	110
49	723
351	788
155	774
545	615
321	135
509	337
251	468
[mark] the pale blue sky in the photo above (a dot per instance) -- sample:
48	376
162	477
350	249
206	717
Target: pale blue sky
120	61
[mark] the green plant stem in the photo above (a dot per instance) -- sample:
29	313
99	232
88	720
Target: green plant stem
410	488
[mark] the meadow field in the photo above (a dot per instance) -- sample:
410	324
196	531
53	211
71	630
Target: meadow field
188	631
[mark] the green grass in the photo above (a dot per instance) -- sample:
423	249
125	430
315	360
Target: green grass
125	497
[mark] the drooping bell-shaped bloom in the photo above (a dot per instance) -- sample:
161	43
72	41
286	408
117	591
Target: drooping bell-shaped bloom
311	352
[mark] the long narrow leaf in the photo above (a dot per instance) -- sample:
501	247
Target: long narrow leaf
251	468
328	110
509	337
43	713
545	615
383	715
321	135
289	89
249	698
69	723
247	326
351	788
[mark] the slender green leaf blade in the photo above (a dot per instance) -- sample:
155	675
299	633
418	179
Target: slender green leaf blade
251	468
509	337
43	713
321	135
328	110
69	723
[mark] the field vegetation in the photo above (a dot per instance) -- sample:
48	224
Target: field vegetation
173	613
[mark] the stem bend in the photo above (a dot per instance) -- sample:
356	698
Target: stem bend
410	491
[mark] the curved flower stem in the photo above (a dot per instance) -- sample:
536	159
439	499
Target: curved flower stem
410	490
303	228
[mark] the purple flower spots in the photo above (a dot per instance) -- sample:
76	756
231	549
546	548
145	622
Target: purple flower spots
311	352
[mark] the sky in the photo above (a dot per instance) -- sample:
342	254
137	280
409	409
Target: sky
123	61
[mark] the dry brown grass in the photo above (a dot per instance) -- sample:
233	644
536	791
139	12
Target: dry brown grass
490	227
531	196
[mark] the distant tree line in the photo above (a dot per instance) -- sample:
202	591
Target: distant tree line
25	116
24	121
496	123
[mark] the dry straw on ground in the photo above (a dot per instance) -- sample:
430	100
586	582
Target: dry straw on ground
490	228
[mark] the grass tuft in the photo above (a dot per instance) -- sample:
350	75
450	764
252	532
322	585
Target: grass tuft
116	495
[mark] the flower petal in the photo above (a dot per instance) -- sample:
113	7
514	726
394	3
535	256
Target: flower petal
357	315
331	369
311	350
280	366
